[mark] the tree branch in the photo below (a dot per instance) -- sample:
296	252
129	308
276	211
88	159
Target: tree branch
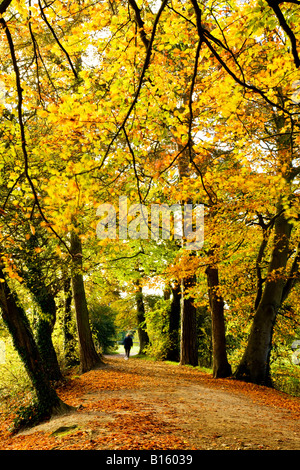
274	5
139	22
22	127
207	37
4	6
294	276
57	40
139	87
261	251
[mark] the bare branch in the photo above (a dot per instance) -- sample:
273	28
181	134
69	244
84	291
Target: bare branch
57	40
4	6
139	87
139	22
22	128
207	38
282	21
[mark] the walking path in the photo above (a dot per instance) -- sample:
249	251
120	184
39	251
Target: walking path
142	404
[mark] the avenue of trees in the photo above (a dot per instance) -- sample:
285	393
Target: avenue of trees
164	102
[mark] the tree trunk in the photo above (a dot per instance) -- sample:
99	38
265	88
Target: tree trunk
87	352
188	340
46	322
69	339
189	337
255	363
18	325
47	351
142	333
44	332
221	367
173	351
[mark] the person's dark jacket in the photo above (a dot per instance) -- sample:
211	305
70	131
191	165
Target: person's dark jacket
128	342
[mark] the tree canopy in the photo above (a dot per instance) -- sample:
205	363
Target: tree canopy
164	102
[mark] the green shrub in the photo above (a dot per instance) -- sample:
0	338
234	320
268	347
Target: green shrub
103	326
13	376
157	321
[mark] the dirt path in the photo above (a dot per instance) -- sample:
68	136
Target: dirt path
139	404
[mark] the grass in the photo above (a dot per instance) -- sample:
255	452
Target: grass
13	376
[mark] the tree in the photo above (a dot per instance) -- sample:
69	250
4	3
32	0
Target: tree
172	107
189	345
273	291
48	403
70	352
89	358
103	326
173	350
140	309
221	367
46	301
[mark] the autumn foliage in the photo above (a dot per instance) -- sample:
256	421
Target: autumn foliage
170	102
113	412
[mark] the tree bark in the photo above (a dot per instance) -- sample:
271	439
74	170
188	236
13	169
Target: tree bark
47	350
45	299
88	355
221	367
188	340
18	325
189	337
142	333
45	328
69	339
173	351
255	363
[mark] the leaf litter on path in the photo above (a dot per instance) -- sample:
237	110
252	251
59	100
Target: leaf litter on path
152	405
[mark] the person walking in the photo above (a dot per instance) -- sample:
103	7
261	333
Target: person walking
127	345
